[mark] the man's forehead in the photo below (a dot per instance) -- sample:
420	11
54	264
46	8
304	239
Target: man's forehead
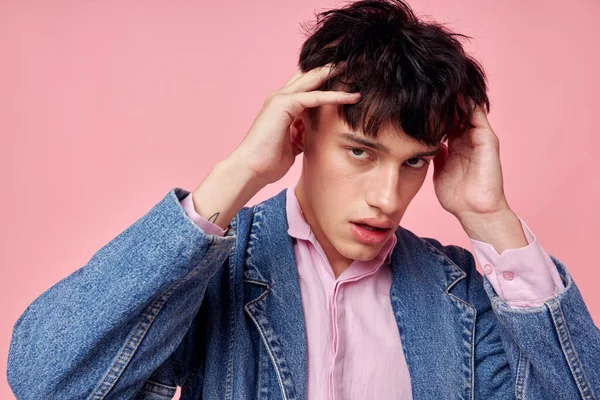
389	138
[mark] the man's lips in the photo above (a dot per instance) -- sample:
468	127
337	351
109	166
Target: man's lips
374	223
370	233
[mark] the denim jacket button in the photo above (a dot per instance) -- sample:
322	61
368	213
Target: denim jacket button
488	269
509	276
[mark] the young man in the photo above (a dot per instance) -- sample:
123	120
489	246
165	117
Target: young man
318	292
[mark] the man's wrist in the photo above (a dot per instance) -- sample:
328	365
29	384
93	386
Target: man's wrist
227	188
502	230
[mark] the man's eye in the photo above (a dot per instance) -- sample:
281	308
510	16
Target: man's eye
416	166
359	153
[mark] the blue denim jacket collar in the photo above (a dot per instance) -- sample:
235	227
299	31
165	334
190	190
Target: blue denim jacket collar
421	274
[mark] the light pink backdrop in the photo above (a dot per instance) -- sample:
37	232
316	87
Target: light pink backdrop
105	106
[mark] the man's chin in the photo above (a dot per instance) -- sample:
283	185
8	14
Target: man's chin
359	252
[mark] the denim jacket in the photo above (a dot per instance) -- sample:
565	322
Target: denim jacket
165	304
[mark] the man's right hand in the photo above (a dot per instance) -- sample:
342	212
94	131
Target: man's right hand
267	149
266	152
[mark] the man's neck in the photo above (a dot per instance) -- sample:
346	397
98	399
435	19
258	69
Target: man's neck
338	263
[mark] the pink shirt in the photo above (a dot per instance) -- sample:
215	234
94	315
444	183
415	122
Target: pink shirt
354	348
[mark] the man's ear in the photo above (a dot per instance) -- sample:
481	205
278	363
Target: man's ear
297	132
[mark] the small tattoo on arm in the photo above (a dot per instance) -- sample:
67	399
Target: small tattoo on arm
213	218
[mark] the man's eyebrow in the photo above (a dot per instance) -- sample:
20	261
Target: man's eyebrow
384	149
365	142
428	153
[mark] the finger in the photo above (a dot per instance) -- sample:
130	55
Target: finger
479	118
296	75
312	79
316	98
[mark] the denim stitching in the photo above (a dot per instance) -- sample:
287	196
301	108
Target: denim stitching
260	363
451	264
568	349
232	323
470	306
467	305
526	379
471	355
159	389
521	378
518	378
193	373
262	334
463	260
131	345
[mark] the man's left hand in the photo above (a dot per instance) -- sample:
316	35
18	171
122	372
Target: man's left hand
468	184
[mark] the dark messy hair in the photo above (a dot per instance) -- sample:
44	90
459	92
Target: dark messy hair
411	73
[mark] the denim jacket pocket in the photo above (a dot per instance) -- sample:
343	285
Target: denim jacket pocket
155	391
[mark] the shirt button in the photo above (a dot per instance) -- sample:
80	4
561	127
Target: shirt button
509	276
488	269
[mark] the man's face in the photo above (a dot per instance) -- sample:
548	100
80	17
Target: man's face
354	189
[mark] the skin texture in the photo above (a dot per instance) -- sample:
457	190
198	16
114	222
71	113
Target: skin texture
266	152
344	181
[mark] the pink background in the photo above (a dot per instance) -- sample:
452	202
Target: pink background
106	106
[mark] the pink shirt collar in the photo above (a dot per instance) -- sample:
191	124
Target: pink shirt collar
299	229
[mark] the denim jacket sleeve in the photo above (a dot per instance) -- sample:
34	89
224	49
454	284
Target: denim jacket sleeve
103	330
546	352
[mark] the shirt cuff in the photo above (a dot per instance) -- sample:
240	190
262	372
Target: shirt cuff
523	277
212	229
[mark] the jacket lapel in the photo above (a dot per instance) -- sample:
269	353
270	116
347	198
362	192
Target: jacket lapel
277	309
436	327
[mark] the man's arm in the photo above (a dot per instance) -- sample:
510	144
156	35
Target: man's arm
552	351
523	277
102	331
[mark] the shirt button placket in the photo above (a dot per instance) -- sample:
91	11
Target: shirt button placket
334	341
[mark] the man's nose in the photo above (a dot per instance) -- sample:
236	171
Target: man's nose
384	193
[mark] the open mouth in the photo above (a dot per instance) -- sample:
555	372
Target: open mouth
371	228
369	234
